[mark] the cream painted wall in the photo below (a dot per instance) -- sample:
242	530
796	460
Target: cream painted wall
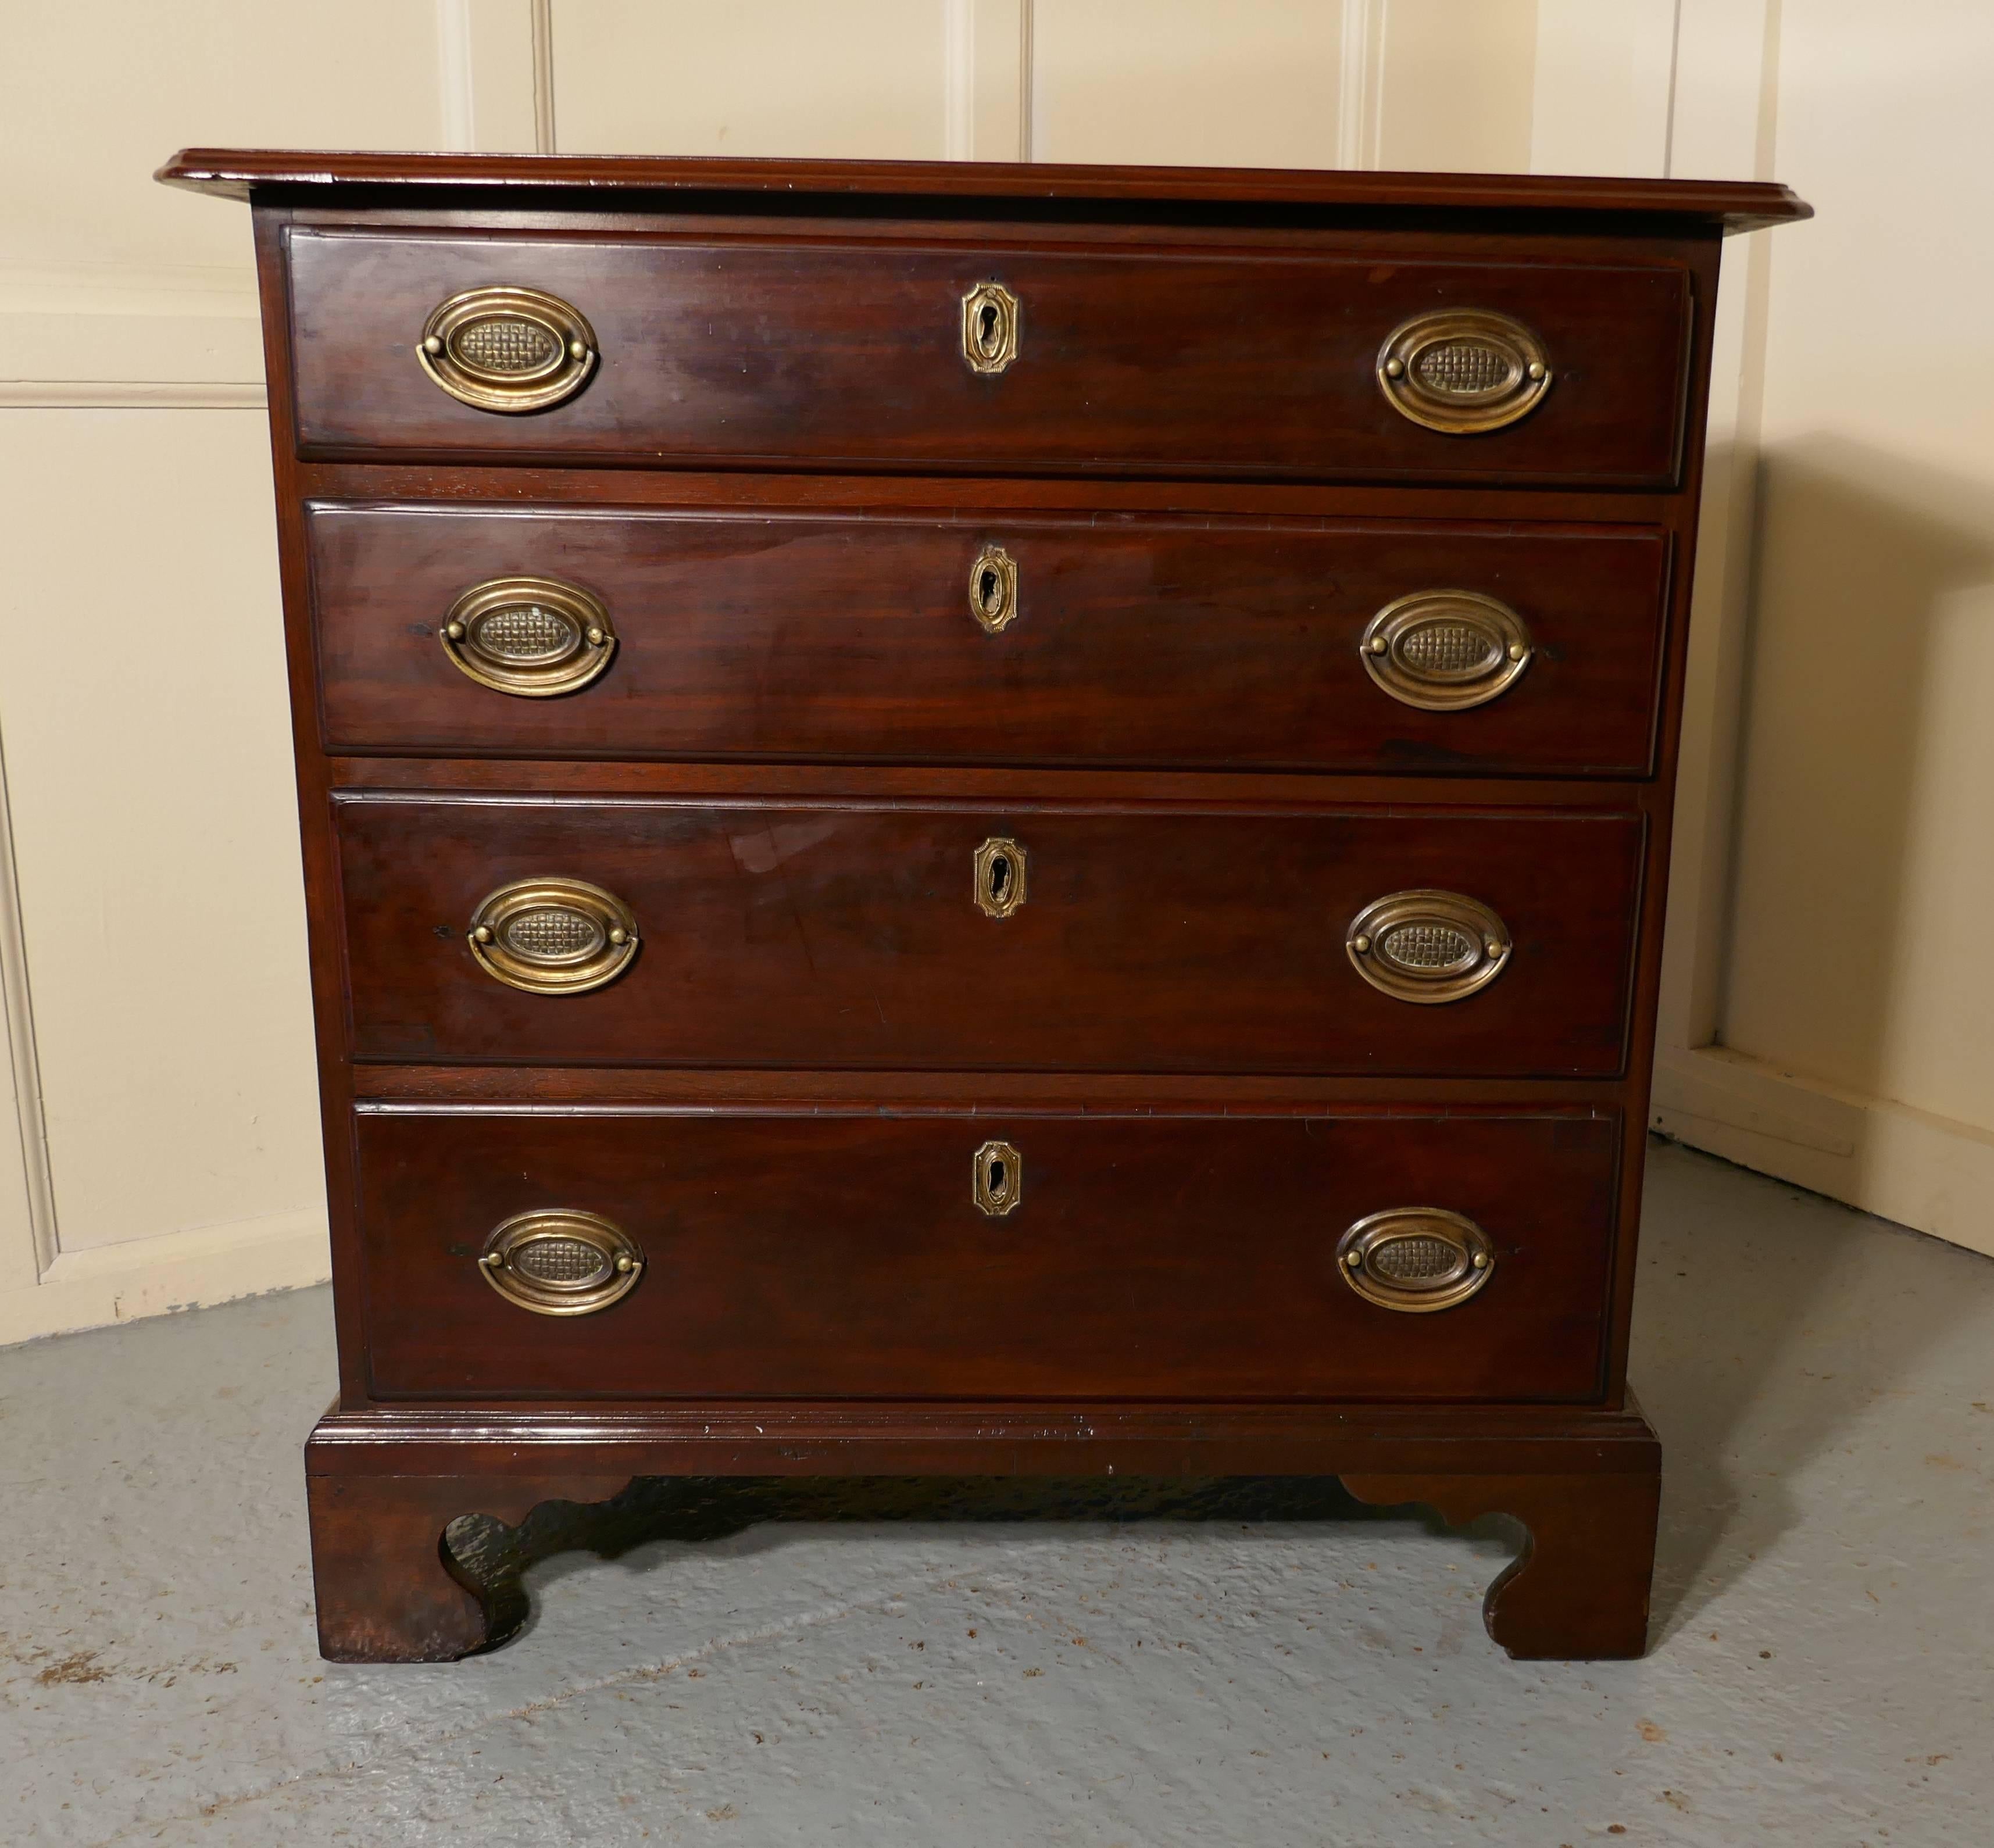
149	926
754	76
1869	749
1195	82
152	804
1855	1002
90	92
1183	82
1444	85
150	912
1458	85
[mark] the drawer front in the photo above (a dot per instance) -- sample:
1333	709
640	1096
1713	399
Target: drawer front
893	936
855	355
1145	1257
1002	640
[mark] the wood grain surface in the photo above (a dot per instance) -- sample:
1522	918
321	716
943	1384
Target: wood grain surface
847	935
841	1255
1226	643
579	181
793	354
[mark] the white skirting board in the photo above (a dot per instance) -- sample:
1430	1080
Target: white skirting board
1930	1172
174	1271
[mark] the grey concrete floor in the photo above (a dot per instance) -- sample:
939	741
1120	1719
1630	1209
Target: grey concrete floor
1280	1669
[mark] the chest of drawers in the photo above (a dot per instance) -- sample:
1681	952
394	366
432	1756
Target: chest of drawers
975	819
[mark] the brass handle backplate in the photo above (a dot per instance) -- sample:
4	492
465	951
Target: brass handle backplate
997	1179
993	589
532	636
1427	946
1415	1259
564	1262
989	328
1444	651
508	349
1462	371
1000	877
553	936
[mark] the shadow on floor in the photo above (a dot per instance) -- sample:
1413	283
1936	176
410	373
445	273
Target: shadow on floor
1769	1327
693	1509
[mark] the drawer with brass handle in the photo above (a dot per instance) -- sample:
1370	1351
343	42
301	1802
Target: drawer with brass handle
966	355
832	1254
1436	646
1066	936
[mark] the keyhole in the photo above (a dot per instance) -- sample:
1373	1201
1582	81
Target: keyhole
986	328
990	589
997	1180
998	882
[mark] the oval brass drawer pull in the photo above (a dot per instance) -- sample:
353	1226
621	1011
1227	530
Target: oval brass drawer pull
564	1262
1444	651
997	1179
532	636
553	936
993	589
1415	1259
1427	946
508	349
989	328
1462	371
1000	877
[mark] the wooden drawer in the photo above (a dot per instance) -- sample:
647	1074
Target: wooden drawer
816	1255
854	934
710	351
1101	640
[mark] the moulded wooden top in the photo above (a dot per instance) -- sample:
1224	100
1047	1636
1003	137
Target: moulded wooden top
579	181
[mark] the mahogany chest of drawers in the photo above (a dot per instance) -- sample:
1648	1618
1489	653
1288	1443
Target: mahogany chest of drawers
981	819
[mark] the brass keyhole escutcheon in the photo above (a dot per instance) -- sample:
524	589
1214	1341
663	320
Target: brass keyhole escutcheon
1000	877
989	328
993	589
997	1179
